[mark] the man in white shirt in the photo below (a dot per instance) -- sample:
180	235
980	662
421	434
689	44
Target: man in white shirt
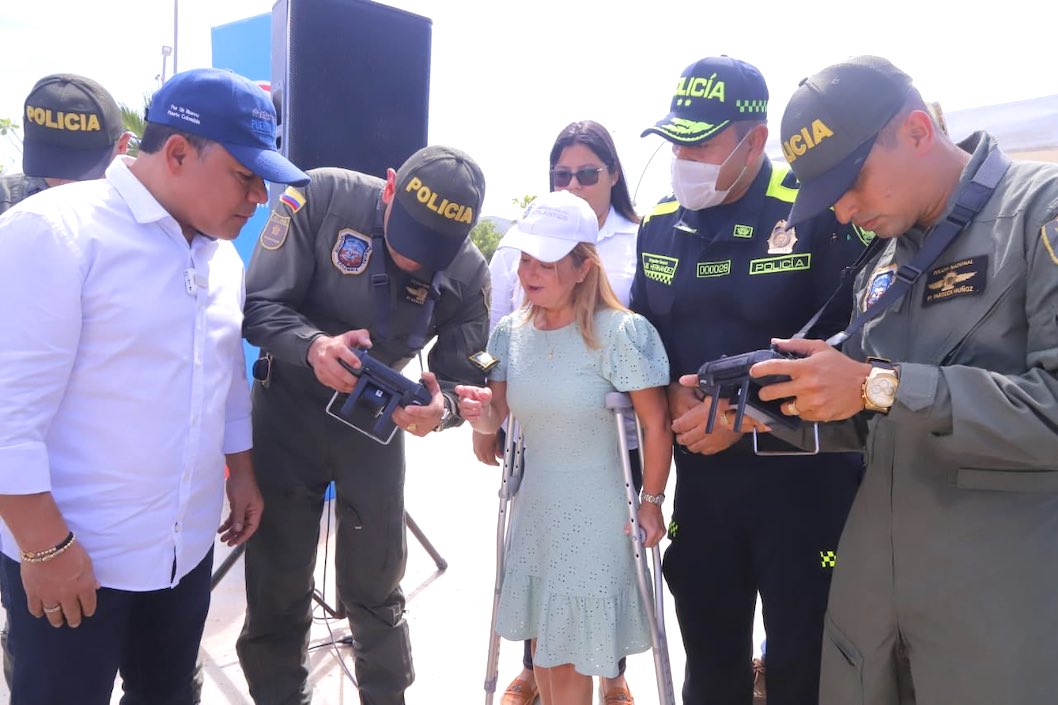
123	393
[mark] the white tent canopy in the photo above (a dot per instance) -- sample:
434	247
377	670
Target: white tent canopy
1025	128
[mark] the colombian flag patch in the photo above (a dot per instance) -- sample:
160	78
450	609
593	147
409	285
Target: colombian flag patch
293	199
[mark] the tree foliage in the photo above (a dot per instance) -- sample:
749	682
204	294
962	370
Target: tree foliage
523	201
486	236
9	130
135	121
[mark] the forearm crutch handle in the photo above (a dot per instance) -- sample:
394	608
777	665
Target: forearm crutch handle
621	406
512	480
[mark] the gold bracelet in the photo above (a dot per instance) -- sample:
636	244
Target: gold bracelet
50	553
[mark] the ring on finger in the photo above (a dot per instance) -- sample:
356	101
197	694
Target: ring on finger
53	609
791	408
412	428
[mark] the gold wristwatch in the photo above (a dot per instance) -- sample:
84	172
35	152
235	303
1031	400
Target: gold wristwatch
879	389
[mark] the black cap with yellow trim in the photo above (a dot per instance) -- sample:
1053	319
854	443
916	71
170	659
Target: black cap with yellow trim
710	95
439	192
71	126
831	123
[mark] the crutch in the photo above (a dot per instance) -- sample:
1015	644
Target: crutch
621	405
512	479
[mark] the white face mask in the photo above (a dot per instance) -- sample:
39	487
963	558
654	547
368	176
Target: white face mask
694	183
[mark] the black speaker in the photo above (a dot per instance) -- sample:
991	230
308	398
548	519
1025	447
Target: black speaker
351	83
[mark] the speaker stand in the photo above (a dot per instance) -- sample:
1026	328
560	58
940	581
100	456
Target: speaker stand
339	612
440	562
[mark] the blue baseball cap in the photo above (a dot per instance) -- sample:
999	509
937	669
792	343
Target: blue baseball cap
231	110
711	94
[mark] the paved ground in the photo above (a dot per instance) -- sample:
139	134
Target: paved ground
453	499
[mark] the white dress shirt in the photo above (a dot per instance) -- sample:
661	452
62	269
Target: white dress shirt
617	250
122	378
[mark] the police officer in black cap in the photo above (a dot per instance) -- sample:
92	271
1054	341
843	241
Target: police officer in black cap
720	274
72	129
352	261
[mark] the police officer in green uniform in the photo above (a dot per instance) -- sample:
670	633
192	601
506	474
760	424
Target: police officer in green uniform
719	272
352	261
945	587
72	129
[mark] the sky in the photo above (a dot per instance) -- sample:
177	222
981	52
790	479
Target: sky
506	77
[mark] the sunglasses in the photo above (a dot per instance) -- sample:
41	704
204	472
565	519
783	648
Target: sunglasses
588	176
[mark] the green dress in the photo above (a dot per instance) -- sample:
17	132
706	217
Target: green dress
569	579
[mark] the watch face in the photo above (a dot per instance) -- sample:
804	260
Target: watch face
881	390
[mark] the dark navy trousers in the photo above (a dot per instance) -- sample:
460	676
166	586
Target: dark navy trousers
150	638
743	524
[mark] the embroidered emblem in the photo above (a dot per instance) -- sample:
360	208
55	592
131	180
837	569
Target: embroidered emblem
351	252
416	292
956	279
714	269
782	239
828	559
292	199
865	236
483	361
880	280
743	231
274	233
659	267
785	263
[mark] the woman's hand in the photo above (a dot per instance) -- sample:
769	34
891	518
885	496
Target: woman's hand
473	401
653	523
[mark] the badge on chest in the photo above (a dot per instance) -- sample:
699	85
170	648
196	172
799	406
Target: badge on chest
782	239
881	279
351	251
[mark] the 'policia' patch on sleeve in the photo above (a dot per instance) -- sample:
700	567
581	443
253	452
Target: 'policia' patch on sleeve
483	361
275	231
966	277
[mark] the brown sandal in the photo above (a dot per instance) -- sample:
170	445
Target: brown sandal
519	692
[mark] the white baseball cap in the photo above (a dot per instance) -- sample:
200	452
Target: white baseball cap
552	226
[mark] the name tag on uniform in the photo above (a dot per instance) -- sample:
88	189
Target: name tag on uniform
966	277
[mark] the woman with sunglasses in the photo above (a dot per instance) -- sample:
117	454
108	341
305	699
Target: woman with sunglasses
569	574
583	161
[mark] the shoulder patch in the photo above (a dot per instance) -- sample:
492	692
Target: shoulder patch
351	251
292	199
777	187
274	233
663	208
1049	235
483	361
